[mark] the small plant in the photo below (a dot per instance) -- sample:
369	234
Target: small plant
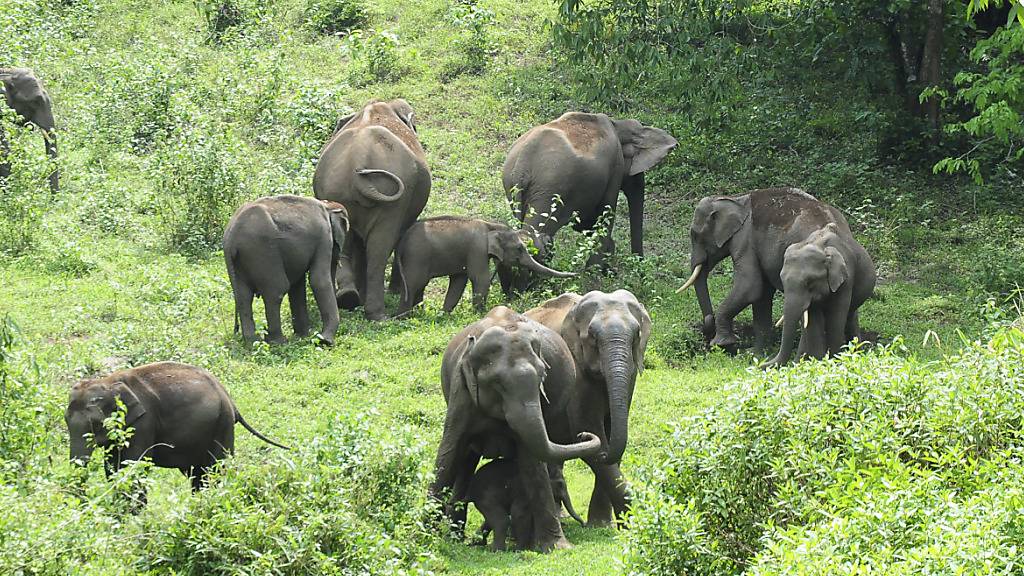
225	18
24	195
474	45
375	55
335	16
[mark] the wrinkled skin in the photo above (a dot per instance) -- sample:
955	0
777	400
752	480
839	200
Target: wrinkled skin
270	246
829	275
585	160
607	335
24	94
182	416
506	376
375	166
460	248
754	229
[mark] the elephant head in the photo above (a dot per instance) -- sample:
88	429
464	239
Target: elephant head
607	334
508	247
813	270
716	221
502	371
339	225
92	402
25	95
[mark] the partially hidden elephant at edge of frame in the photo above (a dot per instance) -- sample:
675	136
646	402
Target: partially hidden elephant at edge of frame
754	229
825	279
270	245
375	166
25	95
578	163
508	376
607	334
460	248
182	416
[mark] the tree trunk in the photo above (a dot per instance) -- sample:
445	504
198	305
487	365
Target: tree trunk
931	59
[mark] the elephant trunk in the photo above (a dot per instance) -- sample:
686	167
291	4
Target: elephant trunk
526	261
619	368
80	449
793	312
527	421
50	141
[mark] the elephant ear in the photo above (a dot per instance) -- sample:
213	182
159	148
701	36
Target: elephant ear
466	371
494	247
576	330
340	224
133	406
342	122
726	220
648	147
404	112
836	264
640	344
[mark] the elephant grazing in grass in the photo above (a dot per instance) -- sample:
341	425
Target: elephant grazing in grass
754	229
375	166
825	280
270	245
506	376
181	415
25	95
460	248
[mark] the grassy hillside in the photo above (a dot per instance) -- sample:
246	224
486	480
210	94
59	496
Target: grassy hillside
166	126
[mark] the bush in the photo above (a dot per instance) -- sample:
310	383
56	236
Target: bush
374	55
226	19
335	16
867	451
474	46
25	193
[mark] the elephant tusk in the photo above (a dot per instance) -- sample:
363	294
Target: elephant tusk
806	318
691	279
543	393
781	320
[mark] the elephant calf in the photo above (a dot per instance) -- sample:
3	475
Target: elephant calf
460	248
270	245
182	418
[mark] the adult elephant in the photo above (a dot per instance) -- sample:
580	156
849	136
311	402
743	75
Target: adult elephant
754	229
825	279
374	165
25	95
578	164
607	335
508	377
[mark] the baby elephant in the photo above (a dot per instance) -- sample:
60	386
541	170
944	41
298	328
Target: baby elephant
459	248
499	496
182	418
269	247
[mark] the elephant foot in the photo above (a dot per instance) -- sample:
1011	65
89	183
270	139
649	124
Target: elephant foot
276	339
376	316
600	523
559	543
324	340
348	299
708	328
727	342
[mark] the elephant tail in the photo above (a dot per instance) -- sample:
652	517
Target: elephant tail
240	420
367	189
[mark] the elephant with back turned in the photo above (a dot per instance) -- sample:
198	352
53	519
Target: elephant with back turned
825	279
578	163
508	377
607	334
24	94
375	166
754	229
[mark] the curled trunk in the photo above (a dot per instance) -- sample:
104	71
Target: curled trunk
527	421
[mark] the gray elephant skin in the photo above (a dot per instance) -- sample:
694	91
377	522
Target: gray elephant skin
182	416
578	163
825	279
607	334
460	248
506	376
754	229
375	166
25	95
270	246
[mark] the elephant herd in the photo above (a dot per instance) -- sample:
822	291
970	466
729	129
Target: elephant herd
527	391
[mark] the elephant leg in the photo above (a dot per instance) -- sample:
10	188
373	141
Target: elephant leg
243	310
379	245
5	153
547	530
836	315
763	325
456	286
450	478
635	198
272	304
300	311
852	325
198	475
323	293
395	283
480	274
496	518
812	342
613	487
599	513
746	289
350	267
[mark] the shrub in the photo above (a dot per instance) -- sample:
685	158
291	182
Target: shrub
866	451
227	18
335	16
375	56
25	193
474	46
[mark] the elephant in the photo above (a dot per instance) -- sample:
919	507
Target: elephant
578	163
755	229
181	415
825	279
375	166
607	334
25	95
270	245
507	376
560	490
459	248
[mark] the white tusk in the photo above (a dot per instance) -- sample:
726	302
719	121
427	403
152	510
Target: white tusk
781	320
544	394
691	279
806	316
